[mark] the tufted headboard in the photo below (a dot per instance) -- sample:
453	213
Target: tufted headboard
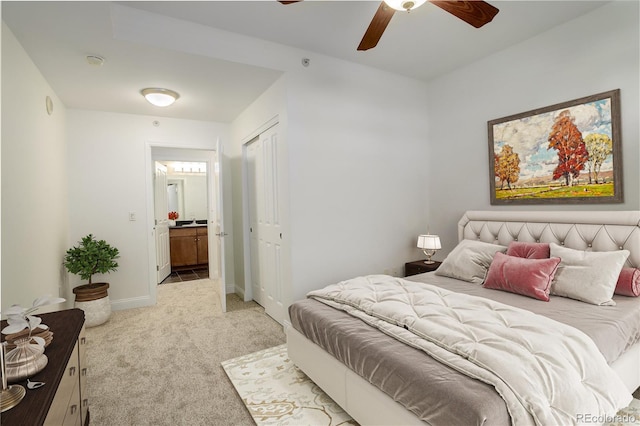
580	230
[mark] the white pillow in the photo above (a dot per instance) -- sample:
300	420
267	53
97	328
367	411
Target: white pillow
469	260
589	276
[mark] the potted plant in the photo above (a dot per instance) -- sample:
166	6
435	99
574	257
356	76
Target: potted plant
91	257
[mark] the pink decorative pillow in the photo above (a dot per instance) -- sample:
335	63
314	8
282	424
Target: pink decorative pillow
529	250
628	282
529	277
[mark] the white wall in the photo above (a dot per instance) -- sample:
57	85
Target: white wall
108	179
356	144
34	182
591	54
358	152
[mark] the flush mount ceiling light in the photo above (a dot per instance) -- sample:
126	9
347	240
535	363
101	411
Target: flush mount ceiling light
159	97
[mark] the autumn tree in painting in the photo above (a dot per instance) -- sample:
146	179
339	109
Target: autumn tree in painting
566	139
599	147
507	166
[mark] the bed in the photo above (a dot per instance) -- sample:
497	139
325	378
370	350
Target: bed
419	389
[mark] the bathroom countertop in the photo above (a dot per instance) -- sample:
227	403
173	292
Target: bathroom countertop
189	223
197	225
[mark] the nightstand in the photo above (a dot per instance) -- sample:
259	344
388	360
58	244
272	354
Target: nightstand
419	267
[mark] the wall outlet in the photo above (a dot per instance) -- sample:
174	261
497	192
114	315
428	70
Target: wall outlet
132	216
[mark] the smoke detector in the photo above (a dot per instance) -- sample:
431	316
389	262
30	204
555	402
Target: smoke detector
95	60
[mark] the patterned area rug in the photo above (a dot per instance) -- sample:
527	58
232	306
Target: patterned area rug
276	392
629	416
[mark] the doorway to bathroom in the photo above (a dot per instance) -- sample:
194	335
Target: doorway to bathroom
186	241
187	212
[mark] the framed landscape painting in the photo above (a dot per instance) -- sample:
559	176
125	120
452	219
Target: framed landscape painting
561	154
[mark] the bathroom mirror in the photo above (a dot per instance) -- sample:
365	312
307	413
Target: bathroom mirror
187	190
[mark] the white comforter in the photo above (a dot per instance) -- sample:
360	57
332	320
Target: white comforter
547	372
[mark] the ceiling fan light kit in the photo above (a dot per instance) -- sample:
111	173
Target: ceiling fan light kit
159	97
403	5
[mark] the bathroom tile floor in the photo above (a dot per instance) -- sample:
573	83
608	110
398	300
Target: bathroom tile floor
187	275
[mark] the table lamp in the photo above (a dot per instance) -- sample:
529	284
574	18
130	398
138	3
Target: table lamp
429	245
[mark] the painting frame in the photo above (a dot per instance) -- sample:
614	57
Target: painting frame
580	167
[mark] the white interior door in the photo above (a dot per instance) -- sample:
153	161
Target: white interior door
252	154
216	221
265	225
161	229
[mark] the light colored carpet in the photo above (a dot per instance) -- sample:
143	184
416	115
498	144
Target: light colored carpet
160	365
276	392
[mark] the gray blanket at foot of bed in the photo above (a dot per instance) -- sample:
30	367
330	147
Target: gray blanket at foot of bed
434	392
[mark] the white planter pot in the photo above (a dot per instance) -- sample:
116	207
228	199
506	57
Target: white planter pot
96	312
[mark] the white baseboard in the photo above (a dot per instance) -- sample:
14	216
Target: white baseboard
239	291
134	302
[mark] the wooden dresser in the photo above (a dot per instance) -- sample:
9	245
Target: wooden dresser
63	400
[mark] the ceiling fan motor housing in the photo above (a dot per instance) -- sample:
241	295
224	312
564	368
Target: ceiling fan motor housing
408	5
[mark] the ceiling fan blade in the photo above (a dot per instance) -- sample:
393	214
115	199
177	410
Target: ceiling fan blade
475	13
289	1
376	27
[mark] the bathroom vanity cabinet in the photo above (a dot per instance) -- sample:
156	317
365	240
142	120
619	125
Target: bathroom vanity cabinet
189	246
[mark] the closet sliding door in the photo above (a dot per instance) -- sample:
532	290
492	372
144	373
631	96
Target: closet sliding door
265	227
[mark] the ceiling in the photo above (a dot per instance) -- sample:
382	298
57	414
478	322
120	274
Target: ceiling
423	44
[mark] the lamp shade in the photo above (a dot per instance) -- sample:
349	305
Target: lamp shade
159	97
429	242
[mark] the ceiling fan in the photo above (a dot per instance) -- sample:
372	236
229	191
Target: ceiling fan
474	12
